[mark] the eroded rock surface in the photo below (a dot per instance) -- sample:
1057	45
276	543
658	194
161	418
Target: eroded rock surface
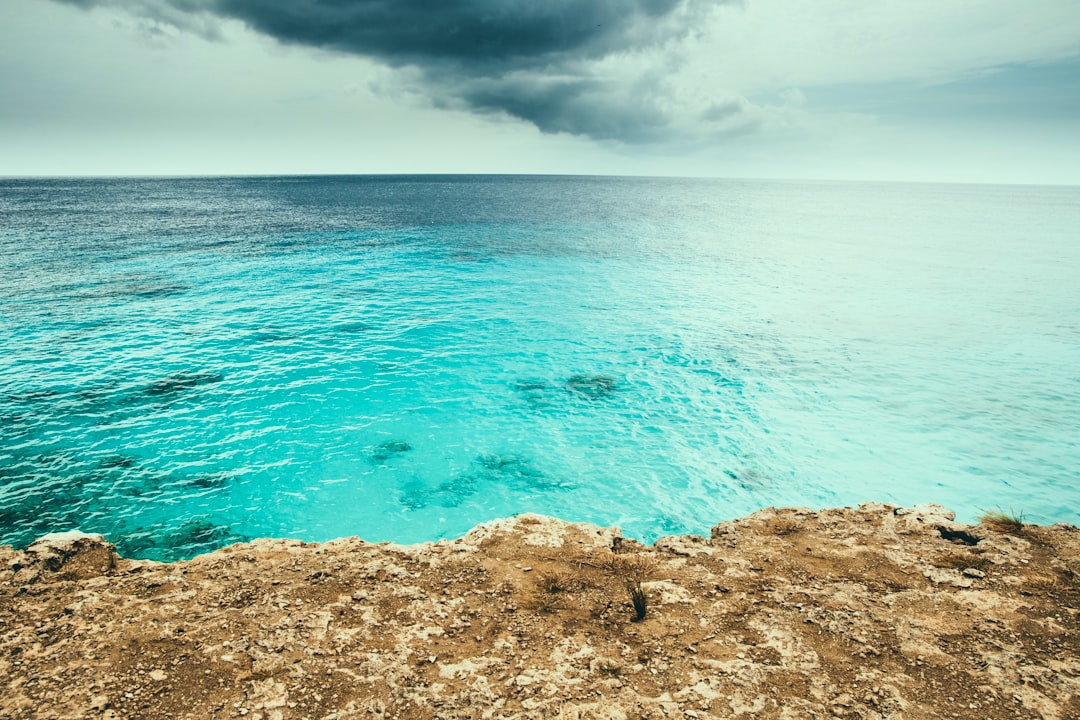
876	612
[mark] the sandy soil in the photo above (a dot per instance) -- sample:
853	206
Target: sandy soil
876	612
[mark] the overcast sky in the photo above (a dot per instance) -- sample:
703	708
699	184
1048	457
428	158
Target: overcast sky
950	90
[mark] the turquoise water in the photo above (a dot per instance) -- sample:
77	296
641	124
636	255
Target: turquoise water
191	362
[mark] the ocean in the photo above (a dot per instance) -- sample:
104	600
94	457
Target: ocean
187	363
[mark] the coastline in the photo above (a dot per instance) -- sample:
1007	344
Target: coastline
870	612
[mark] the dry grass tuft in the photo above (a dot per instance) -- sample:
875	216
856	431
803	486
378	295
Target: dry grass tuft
638	567
633	570
637	599
553	582
555	590
589	579
1010	522
1044	584
961	561
544	603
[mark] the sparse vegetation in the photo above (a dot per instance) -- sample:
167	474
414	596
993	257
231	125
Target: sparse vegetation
633	570
1049	584
636	566
552	588
637	599
1004	522
784	525
961	561
588	576
544	603
554	582
500	619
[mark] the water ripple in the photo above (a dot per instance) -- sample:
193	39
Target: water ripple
223	359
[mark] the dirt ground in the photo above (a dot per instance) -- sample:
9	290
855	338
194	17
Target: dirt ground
875	612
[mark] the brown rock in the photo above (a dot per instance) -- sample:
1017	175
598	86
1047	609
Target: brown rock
77	554
898	614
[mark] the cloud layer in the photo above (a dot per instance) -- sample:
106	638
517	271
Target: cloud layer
566	66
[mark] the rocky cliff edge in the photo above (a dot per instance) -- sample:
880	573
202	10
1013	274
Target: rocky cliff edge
876	612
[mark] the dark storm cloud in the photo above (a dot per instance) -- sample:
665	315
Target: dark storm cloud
469	32
485	55
596	109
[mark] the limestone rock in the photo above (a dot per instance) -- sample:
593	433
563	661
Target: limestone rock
75	553
873	612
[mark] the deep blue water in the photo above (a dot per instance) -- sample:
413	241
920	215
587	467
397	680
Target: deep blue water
189	362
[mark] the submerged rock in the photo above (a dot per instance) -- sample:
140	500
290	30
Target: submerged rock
165	542
270	335
490	470
386	450
116	461
182	381
152	290
537	393
510	463
750	478
353	328
417	495
415	498
32	396
457	489
199	532
12	419
591	386
206	481
512	468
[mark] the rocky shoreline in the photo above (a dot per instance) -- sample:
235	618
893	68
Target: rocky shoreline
874	612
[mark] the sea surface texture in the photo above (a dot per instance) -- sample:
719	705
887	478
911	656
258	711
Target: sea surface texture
191	362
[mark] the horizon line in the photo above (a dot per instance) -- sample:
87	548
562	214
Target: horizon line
623	176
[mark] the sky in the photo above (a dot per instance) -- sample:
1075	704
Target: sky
894	90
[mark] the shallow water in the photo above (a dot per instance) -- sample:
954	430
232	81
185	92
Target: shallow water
192	362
